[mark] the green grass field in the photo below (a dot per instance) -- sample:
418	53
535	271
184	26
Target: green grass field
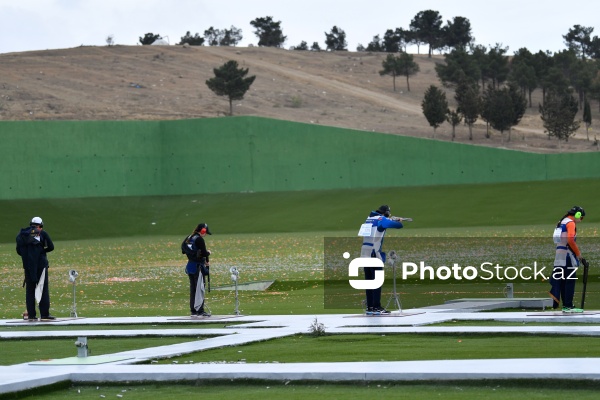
396	347
219	390
144	276
126	251
453	390
451	207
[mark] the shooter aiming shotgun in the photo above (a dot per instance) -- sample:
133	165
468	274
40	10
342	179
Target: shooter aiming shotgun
401	219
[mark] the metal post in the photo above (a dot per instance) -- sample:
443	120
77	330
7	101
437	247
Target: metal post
73	277
509	291
393	256
237	300
74	309
234	277
82	347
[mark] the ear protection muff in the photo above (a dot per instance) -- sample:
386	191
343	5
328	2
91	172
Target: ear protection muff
203	231
577	212
385	210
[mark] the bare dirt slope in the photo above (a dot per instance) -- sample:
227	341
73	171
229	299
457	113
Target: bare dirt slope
342	89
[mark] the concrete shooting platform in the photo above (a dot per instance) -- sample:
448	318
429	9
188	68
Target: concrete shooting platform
236	330
256	285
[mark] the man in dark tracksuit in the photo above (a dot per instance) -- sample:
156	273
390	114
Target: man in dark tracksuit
197	268
33	243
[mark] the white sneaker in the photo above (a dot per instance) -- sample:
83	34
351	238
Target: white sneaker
572	310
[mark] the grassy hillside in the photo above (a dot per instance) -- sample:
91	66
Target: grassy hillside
342	89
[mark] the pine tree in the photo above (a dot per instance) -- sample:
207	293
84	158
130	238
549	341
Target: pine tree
407	66
453	118
435	107
229	81
469	104
269	32
558	114
587	117
391	67
336	39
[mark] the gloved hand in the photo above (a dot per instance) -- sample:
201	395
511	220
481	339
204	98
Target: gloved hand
585	263
204	269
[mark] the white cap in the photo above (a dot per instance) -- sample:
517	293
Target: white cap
37	221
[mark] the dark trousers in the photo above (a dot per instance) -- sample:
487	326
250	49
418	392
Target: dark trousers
30	296
373	295
562	285
193	284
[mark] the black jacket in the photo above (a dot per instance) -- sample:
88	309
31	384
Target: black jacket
202	254
33	251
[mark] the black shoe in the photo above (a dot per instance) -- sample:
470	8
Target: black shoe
200	313
380	311
34	319
48	318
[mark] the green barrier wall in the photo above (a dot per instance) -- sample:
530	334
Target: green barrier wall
65	159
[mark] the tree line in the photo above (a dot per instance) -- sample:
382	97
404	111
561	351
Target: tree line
499	88
487	83
425	28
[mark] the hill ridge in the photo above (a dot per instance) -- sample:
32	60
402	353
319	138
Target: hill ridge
342	89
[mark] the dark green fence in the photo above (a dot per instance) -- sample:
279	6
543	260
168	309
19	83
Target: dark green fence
66	159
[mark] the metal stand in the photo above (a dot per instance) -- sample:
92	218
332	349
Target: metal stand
508	291
82	346
72	277
74	309
237	300
234	277
392	257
